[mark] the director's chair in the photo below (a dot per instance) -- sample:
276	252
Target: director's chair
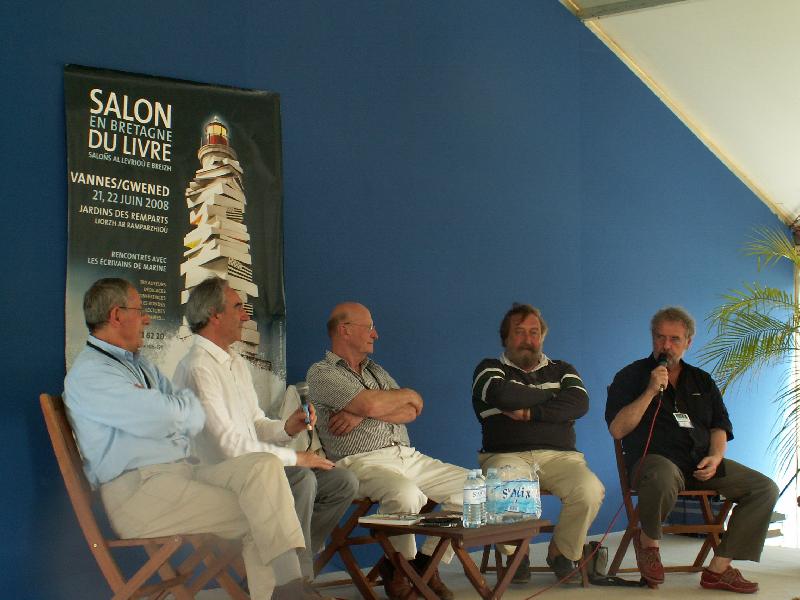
712	527
211	557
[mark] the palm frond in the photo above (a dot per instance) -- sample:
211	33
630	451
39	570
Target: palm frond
769	245
758	326
748	342
785	442
753	298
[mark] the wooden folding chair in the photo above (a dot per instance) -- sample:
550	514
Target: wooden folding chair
498	557
341	542
712	527
221	559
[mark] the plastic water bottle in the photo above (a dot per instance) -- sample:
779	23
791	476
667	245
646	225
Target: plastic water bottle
479	476
507	509
482	482
536	497
492	490
474	498
518	495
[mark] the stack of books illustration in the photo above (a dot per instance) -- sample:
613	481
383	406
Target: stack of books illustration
218	242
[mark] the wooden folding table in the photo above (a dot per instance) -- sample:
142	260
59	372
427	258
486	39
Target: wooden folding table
460	538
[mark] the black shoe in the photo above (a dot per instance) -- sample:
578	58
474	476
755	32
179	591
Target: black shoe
523	572
563	567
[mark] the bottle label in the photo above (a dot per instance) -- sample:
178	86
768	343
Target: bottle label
475	496
518	496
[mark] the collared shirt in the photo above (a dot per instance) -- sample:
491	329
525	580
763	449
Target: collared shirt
235	424
696	394
125	413
552	390
543	362
332	385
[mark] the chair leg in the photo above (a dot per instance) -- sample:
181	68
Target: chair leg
499	567
712	538
216	566
485	558
624	543
374	573
340	534
166	572
157	558
362	583
584	571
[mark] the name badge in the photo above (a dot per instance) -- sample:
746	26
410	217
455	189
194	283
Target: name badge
683	420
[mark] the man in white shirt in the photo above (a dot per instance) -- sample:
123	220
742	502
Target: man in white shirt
236	425
134	430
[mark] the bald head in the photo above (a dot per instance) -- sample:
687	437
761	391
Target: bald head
352	332
344	313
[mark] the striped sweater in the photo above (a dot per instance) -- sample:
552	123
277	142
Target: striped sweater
553	391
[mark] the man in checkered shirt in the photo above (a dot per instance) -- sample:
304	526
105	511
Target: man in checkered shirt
362	414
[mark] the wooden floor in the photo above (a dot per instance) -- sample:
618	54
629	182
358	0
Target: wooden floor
778	575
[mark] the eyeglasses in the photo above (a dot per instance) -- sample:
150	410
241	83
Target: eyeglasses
370	327
140	309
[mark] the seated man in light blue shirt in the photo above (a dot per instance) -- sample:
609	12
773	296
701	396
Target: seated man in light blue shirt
134	433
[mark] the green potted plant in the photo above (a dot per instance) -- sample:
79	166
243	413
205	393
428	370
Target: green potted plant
756	327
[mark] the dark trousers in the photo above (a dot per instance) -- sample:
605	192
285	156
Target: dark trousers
754	496
320	499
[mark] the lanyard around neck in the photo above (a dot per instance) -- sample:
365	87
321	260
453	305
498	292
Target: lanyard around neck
126	365
361	379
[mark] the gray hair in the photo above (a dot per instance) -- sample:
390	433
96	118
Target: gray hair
675	314
205	300
103	296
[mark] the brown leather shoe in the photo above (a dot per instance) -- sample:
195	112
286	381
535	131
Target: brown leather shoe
395	584
436	584
649	561
730	580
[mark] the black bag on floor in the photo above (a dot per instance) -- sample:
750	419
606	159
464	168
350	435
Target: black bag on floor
596	557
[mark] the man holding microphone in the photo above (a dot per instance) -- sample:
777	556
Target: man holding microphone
690	433
236	425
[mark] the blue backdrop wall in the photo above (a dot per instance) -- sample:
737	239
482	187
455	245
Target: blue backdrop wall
441	160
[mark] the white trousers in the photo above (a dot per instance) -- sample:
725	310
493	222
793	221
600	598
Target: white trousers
403	480
246	497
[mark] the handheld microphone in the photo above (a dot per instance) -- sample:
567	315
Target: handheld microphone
302	391
663	361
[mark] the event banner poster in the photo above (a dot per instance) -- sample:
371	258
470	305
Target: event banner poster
170	182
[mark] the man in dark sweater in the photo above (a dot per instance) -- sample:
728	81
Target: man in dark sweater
527	405
690	427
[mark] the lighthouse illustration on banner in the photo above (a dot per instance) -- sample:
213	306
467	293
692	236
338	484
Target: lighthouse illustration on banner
218	242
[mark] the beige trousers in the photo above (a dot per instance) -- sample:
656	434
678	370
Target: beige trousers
402	480
245	497
564	474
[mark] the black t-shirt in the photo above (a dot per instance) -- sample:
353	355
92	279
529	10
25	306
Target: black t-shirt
696	394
